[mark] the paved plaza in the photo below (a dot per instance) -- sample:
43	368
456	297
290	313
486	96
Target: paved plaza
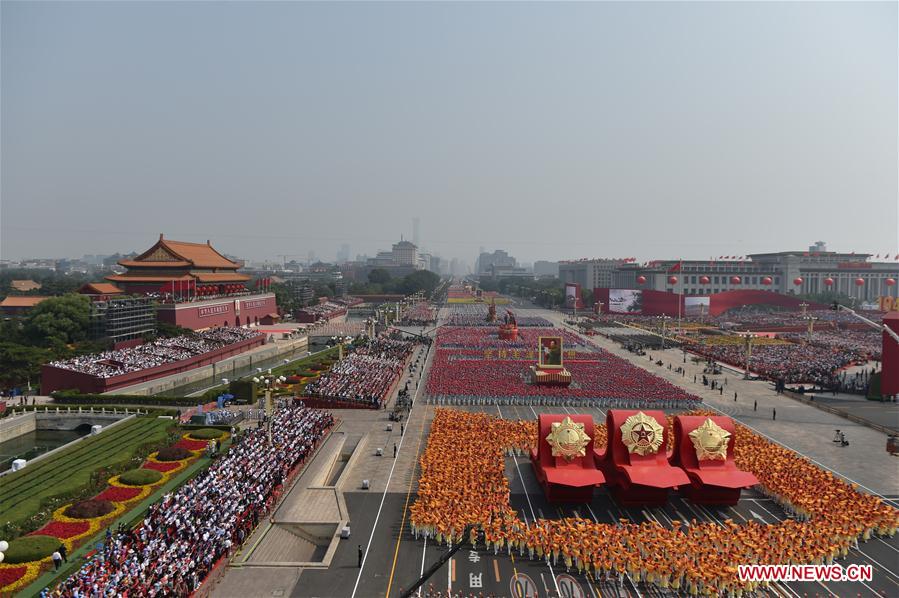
393	559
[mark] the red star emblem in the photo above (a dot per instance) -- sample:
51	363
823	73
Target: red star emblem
642	434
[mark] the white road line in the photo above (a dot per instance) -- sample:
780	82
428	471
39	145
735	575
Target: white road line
890	546
819	464
868	556
778	519
531	507
422	572
384	496
449	578
738	514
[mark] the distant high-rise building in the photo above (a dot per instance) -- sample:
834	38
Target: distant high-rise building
405	253
343	255
818	247
489	262
547	269
589	273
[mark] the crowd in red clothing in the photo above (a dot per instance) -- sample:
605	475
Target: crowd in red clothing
484	338
602	377
420	314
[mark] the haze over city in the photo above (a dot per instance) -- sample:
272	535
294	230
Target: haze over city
551	130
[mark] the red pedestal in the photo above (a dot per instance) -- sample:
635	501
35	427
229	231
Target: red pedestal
550	377
508	332
565	480
638	479
713	481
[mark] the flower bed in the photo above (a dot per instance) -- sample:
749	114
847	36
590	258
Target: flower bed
72	531
89	509
140	477
192	445
121	494
163	466
172	453
15	577
64	530
206	434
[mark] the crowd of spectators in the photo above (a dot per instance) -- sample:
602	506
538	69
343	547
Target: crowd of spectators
789	363
108	364
184	535
366	375
865	342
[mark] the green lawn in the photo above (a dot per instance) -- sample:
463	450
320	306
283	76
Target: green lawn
23	492
301	364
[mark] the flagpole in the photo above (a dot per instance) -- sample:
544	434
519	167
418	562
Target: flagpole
680	297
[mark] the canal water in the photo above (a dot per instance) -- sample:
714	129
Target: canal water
32	444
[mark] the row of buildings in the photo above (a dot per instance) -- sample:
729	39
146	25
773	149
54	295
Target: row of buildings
182	284
789	272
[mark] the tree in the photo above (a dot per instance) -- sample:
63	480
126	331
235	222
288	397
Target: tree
420	280
379	276
166	330
21	363
59	320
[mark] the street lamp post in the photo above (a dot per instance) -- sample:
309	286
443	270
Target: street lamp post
748	339
269	380
664	318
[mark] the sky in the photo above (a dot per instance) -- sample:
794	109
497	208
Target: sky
551	130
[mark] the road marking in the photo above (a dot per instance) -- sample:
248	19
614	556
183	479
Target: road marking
453	563
384	496
449	578
496	570
890	546
422	572
530	506
757	516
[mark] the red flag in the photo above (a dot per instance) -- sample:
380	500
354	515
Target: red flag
674	268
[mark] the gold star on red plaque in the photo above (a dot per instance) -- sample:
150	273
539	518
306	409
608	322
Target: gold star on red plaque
568	439
641	434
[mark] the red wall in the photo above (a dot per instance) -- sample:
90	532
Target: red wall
53	378
889	379
656	303
217	312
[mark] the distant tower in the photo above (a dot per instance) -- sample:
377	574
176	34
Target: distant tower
415	222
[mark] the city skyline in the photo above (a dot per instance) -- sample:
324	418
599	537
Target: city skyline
350	120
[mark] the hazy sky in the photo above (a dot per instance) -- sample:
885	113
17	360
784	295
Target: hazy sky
551	130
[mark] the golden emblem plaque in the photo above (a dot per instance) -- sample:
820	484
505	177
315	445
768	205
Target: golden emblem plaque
710	441
641	434
568	439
